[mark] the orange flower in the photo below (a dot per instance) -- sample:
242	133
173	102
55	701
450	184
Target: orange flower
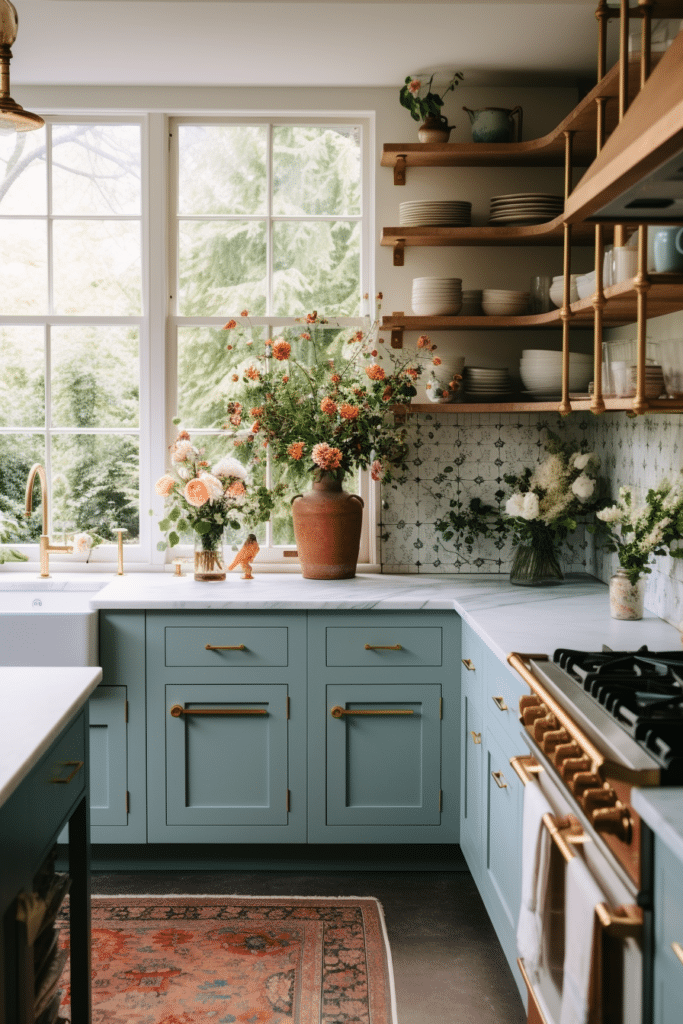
256	412
230	324
255	427
388	392
252	373
376	470
237	489
379	296
236	419
328	406
312	317
326	457
423	341
164	485
245	312
305	336
296	450
436	361
410	371
348	411
335	378
196	493
358	336
235	377
281	349
375	372
285	379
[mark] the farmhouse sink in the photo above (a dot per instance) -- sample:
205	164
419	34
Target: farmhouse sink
48	622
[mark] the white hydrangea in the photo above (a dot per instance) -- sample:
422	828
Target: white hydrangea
514	505
183	450
530	506
584	460
213	486
228	466
610	515
583	487
82	543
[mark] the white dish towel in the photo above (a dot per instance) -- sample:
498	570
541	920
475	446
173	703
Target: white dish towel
535	861
582	895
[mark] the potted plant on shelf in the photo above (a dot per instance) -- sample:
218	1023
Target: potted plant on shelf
426	106
322	404
207	502
636	533
543	509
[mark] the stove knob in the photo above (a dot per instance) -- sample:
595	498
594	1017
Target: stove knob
594	798
583	781
573	766
544	725
553	739
529	701
532	714
614	820
565	751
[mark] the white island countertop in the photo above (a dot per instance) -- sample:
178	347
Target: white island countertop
507	617
37	703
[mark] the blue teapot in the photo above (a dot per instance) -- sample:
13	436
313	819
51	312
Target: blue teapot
495	124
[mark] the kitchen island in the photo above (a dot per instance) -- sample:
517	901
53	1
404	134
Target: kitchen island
43	785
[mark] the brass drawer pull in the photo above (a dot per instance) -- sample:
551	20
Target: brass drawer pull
339	712
234	647
499	780
476	737
500	703
678	950
178	711
379	647
469	664
75	766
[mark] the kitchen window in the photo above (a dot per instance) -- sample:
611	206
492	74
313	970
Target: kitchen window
126	245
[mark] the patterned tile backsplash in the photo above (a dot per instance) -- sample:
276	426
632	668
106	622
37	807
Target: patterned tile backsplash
466	455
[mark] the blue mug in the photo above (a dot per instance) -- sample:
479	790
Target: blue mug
668	250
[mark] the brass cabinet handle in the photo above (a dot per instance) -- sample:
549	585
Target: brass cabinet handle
500	703
476	737
75	766
178	711
379	647
678	950
339	712
469	664
233	647
499	780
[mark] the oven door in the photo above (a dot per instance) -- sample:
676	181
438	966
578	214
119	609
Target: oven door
615	994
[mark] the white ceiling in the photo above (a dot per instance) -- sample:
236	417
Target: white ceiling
293	43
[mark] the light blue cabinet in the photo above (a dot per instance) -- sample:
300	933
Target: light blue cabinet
668	918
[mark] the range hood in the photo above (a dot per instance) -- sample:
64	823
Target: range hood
638	175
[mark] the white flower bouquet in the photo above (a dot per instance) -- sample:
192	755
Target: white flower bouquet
636	532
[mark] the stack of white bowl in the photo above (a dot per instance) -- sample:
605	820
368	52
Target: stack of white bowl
504	302
437	296
541	372
471	302
487	383
557	289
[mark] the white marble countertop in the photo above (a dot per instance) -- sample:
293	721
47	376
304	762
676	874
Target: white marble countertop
662	809
507	617
37	703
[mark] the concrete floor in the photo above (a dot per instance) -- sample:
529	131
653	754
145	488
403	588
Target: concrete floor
448	966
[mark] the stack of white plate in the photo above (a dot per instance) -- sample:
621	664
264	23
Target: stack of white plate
471	302
525	208
541	372
422	212
504	302
437	296
487	383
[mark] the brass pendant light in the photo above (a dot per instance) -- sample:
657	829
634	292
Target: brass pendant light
13	118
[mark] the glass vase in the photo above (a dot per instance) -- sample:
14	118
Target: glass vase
535	564
209	557
626	599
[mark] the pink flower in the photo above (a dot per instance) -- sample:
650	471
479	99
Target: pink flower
376	470
237	490
326	457
164	485
415	86
375	372
281	349
196	493
328	407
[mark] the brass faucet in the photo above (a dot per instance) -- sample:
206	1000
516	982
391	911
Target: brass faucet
45	546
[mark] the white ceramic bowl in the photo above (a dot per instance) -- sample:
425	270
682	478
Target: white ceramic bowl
585	285
504	309
444	307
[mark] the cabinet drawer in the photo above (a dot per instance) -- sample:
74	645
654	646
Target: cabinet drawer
383	646
472	666
503	690
211	646
56	785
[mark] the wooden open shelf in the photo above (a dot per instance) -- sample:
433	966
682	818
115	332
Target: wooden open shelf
548	151
582	404
665	295
550	232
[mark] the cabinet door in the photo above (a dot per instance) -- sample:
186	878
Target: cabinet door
668	969
227	767
471	793
383	767
503	792
108	756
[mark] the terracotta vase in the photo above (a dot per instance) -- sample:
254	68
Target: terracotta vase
327	525
433	130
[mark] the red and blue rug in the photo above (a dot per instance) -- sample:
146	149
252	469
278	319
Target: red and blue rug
239	960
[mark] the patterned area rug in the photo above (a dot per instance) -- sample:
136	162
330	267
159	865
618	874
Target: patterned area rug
239	960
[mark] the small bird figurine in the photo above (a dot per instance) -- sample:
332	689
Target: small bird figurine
245	556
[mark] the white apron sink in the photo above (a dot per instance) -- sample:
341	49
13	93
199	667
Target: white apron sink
48	622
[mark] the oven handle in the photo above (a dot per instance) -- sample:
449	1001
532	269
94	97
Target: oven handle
517	661
526	766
